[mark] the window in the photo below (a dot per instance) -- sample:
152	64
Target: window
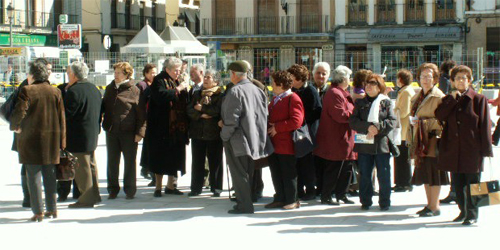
267	12
224	17
309	17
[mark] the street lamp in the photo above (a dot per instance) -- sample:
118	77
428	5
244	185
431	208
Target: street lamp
10	13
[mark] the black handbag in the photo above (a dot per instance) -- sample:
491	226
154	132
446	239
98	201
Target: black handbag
65	170
302	141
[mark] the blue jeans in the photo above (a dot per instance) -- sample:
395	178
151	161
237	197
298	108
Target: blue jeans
366	162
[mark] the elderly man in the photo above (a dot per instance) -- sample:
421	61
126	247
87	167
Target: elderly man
82	103
244	133
196	73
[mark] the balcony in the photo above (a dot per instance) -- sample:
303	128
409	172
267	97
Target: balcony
266	25
37	20
386	13
357	13
415	12
135	22
445	11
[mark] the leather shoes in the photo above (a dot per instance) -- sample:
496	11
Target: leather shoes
61	199
80	205
173	191
469	222
237	211
51	214
216	194
37	217
194	193
157	193
112	196
399	189
430	213
460	218
329	202
345	200
275	204
424	210
384	208
129	197
365	207
292	206
449	199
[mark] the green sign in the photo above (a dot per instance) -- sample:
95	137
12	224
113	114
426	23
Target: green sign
63	18
23	40
63	58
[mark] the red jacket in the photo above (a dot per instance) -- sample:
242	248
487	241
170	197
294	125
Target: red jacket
287	115
335	138
496	102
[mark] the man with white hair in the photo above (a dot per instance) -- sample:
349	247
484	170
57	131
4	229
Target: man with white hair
244	133
196	73
82	103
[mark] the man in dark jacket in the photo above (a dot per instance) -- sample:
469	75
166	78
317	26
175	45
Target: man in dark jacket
83	107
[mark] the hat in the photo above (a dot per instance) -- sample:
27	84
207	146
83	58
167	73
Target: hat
238	66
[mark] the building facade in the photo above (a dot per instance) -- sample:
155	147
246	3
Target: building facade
34	22
371	34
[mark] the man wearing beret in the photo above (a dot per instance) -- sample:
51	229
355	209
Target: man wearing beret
244	133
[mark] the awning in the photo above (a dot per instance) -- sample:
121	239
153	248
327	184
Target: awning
190	14
421	34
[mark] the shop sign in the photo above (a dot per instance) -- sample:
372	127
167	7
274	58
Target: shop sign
415	34
327	47
11	51
23	40
69	36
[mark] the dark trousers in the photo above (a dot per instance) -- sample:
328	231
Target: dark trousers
35	173
284	176
366	162
64	188
496	133
201	149
402	167
117	144
319	175
257	184
336	178
462	189
241	169
306	175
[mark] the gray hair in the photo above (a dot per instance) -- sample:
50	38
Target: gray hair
215	75
172	62
199	67
340	73
250	72
323	65
39	72
240	74
80	70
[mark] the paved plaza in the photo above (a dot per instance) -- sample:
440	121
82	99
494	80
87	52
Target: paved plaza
181	221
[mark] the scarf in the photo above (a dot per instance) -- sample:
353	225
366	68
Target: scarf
206	94
281	96
373	115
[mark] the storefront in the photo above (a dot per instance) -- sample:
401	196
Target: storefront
28	40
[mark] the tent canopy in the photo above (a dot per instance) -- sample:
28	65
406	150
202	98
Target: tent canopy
147	41
181	40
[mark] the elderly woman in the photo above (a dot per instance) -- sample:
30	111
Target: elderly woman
204	113
166	133
373	118
149	73
402	163
335	140
321	73
465	114
39	121
286	114
423	135
312	109
125	124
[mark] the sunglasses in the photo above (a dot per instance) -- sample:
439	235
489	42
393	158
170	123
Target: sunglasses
374	83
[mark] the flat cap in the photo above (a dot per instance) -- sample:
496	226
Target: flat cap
239	66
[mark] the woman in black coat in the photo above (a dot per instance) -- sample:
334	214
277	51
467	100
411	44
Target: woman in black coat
204	113
166	132
465	140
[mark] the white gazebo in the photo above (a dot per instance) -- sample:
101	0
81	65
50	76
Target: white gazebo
182	41
147	41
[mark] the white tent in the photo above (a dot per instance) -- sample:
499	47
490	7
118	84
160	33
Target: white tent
147	41
181	40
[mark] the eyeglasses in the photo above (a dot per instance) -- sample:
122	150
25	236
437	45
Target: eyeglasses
427	77
374	83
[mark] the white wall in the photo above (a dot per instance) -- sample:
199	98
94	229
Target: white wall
340	12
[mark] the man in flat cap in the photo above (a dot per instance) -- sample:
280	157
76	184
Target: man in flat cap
244	133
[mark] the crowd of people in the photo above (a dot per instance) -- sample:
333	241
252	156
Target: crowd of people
355	130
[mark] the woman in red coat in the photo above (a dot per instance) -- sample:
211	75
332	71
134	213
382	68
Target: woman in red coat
286	114
465	140
335	139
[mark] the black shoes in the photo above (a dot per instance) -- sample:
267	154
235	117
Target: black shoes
112	196
424	210
173	191
469	222
330	202
449	199
216	194
430	213
345	200
460	218
365	207
400	189
194	193
384	208
61	199
237	211
129	197
308	197
157	193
